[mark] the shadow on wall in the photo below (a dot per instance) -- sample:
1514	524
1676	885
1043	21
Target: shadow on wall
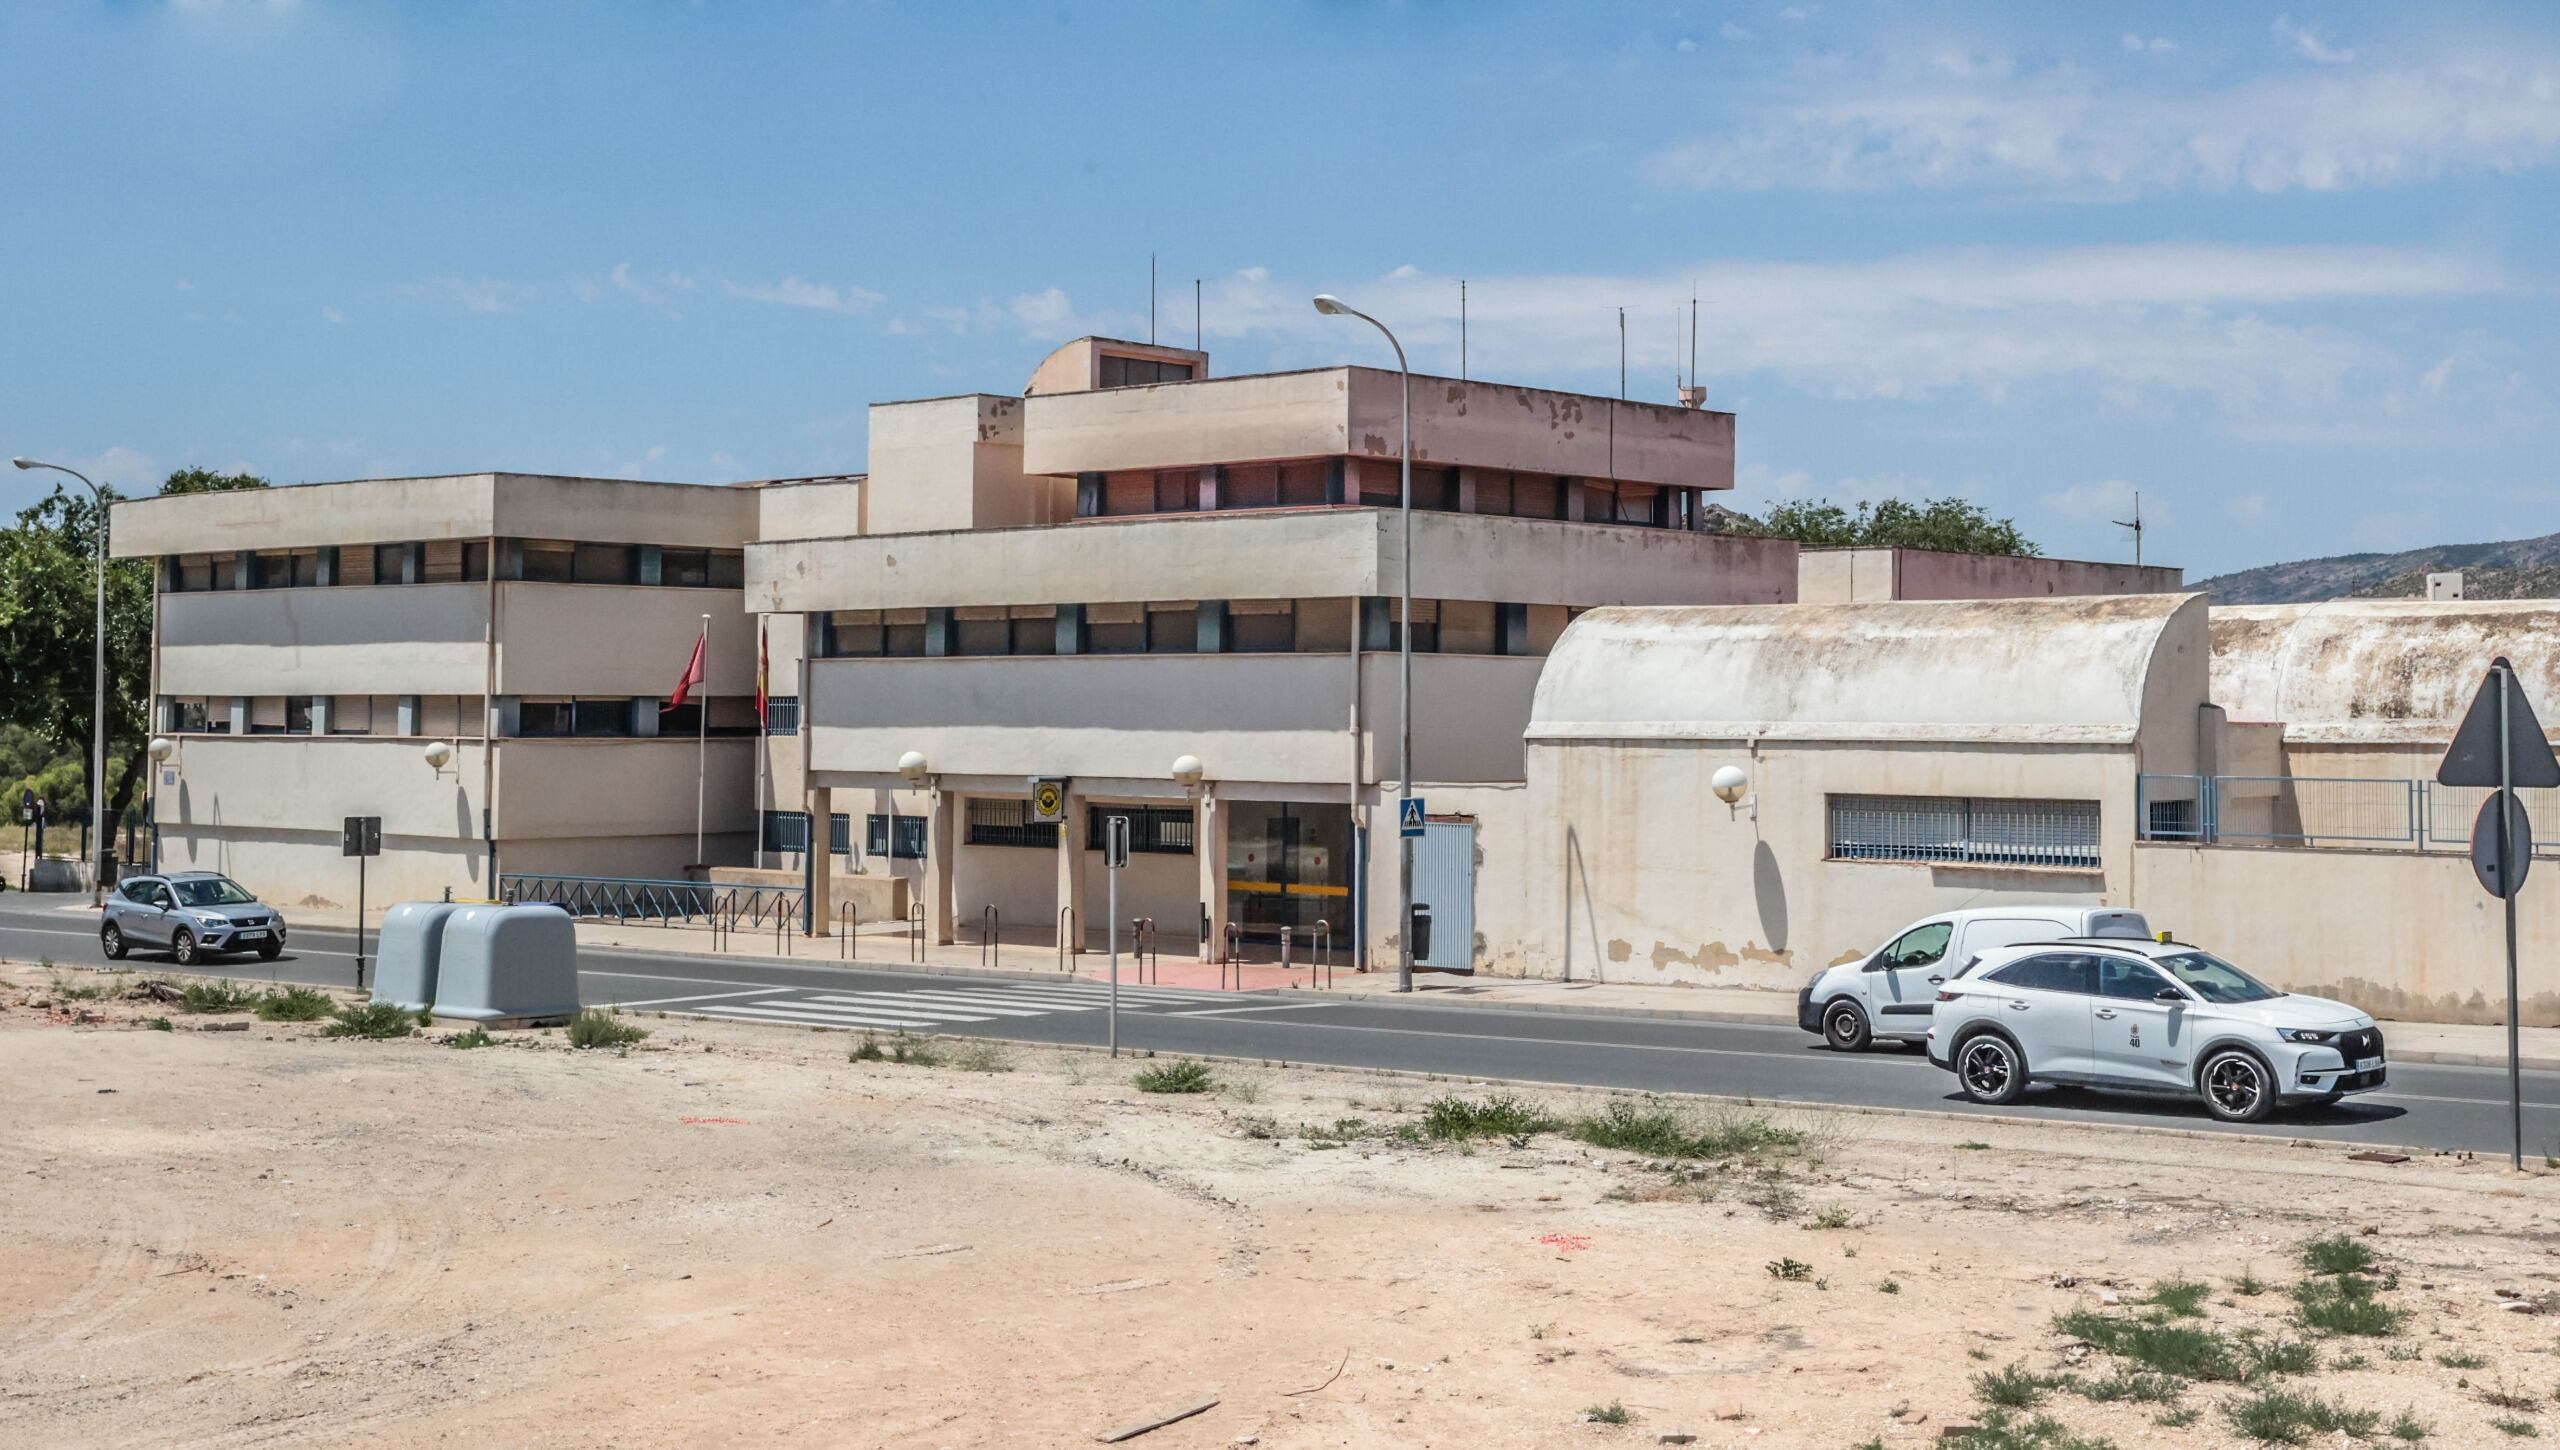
1769	889
1576	871
471	860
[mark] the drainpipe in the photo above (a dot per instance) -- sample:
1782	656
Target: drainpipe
1359	857
488	735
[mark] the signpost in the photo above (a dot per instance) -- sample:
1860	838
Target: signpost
1409	816
362	839
1115	857
2500	745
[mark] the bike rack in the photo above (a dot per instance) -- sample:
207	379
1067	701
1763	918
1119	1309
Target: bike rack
1232	956
1066	932
990	950
915	927
1142	944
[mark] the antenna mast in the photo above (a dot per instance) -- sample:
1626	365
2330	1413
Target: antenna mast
2135	524
1462	329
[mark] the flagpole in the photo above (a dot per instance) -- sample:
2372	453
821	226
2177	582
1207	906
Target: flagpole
701	739
764	739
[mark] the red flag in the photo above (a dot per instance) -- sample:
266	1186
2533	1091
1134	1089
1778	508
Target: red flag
692	676
764	668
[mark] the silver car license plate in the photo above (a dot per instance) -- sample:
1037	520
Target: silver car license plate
2367	1064
259	935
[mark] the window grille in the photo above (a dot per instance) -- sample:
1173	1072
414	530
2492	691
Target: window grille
1965	831
1008	823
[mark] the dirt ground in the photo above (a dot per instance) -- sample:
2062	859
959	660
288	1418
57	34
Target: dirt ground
734	1235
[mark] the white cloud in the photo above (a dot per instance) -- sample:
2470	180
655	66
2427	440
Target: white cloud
1685	45
1939	120
2152	330
472	295
2307	43
2110	501
332	315
1731	31
1797	14
2155	45
2247	508
793	292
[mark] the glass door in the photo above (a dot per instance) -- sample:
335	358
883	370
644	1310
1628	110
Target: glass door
1289	865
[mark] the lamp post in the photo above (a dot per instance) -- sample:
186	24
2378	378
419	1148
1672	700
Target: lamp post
98	704
160	749
1332	306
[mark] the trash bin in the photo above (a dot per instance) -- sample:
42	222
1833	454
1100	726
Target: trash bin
407	952
507	966
1421	932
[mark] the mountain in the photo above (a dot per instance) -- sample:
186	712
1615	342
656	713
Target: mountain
2514	569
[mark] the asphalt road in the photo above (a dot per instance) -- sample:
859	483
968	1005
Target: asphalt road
2425	1106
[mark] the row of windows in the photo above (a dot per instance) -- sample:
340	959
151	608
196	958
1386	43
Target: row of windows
533	717
455	561
1162	830
789	831
1187	626
1377	483
1957	830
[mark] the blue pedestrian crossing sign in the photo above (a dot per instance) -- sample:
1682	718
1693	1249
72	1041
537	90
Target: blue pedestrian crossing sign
1409	816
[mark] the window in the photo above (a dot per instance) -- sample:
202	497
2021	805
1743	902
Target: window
1518	495
1917	947
192	573
391	563
1172	491
1008	823
786	830
685	568
2129	979
981	631
782	715
910	837
1256	486
1966	831
2051	972
440	562
863	633
2169	820
1131	372
1173	629
1034	629
297	714
351	715
600	717
1302	485
2216	980
1262	626
1426	625
549	561
600	564
539	718
1115	629
285	568
198	716
475	560
902	633
1156	830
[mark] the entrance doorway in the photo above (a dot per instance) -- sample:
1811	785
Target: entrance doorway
1289	865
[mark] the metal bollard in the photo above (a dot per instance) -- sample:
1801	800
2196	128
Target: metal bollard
1066	930
915	926
1322	951
990	948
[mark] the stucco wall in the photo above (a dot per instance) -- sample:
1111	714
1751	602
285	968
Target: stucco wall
410	639
812	509
1841	576
460	506
2378	671
611	639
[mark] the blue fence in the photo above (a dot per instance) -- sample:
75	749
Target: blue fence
623	898
2325	811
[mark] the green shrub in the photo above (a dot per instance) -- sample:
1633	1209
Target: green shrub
159	1024
2345	1305
1182	1075
222	996
2407	1428
1611	1413
2277	1356
2336	1254
2013	1388
2006	1430
2287	1417
2133	1385
2516	1426
595	1027
1499	1116
1666	1133
2185	1350
296	1004
478	1036
979	1054
370	1019
2179	1298
1793	1271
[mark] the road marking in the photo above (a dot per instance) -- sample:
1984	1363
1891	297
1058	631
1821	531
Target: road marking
1232	1011
768	1018
813	1014
890	1001
705	997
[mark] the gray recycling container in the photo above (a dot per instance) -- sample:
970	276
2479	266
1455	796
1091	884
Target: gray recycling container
508	966
405	955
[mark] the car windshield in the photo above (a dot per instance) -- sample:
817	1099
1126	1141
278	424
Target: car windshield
2214	979
219	891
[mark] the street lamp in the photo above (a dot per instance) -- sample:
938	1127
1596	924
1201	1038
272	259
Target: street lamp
98	705
1332	306
160	749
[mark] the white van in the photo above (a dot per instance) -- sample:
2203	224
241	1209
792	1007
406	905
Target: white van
1888	995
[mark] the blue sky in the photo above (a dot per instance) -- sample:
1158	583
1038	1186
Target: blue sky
2281	269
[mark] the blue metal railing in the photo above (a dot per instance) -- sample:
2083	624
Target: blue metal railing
625	898
2324	811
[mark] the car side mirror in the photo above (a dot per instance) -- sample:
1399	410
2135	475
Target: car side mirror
2168	994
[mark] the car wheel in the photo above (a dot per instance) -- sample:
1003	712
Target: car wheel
111	939
270	949
2236	1086
1990	1068
1845	1027
182	947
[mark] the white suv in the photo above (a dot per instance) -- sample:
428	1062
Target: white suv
2147	1017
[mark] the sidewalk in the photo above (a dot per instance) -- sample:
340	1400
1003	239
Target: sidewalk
886	946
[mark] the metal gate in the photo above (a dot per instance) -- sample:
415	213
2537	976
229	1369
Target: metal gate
1444	879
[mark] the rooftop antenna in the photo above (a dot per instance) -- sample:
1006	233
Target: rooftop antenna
1151	299
1462	329
1693	396
1195	314
2135	524
1622	353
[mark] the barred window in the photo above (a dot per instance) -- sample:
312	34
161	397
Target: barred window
1962	830
1008	823
910	837
1161	830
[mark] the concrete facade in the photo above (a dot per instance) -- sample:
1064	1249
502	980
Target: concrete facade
1851	576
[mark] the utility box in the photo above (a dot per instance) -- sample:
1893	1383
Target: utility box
406	954
508	966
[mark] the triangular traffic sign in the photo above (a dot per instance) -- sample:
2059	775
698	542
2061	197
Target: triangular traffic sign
2472	759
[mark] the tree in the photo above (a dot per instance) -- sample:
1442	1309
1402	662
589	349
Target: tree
48	636
1950	525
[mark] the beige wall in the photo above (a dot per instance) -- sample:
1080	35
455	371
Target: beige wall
1843	576
819	508
461	506
1357	411
562	789
612	639
1280	554
409	639
1636	873
955	463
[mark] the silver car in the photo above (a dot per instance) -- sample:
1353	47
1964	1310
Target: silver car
191	915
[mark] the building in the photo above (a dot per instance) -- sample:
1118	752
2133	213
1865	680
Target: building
1136	565
309	644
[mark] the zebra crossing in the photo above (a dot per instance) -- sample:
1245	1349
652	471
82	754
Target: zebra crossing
926	1008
